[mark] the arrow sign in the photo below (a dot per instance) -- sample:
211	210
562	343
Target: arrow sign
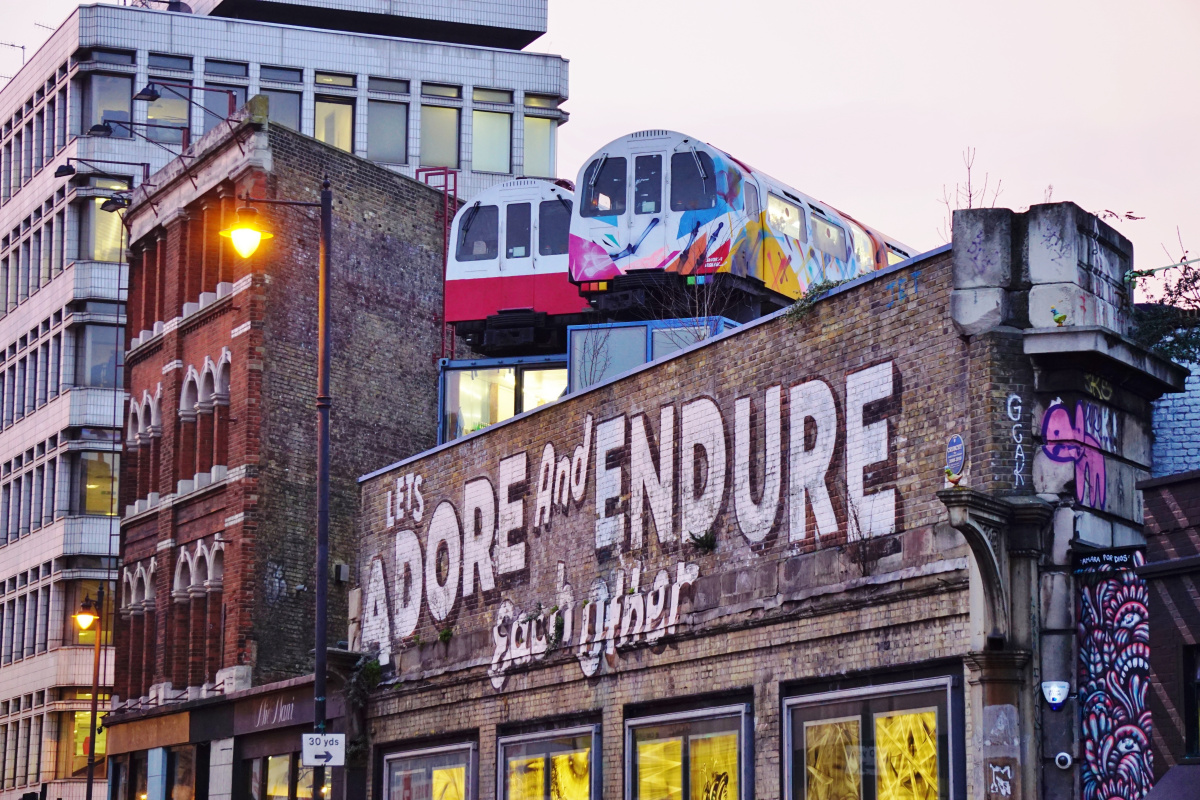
323	749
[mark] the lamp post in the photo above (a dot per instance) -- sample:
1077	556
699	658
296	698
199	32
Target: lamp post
93	612
246	235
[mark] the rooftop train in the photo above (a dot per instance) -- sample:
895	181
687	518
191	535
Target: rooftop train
659	211
515	298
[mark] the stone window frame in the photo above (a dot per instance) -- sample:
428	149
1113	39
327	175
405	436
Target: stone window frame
596	786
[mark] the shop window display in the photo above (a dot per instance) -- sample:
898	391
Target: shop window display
549	766
435	774
687	757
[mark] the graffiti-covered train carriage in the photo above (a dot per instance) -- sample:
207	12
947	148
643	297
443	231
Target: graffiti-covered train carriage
660	213
507	288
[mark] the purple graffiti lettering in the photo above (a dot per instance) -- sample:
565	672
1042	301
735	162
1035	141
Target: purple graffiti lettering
1071	443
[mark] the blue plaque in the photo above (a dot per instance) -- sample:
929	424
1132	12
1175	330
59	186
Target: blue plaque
956	454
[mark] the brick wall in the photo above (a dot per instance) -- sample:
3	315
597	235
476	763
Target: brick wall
1177	429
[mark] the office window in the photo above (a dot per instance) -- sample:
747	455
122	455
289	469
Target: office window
541	157
333	79
478	234
604	184
74	734
554	227
439	136
491	96
387	132
387	85
96	348
492	137
440	90
436	774
478	398
283	107
333	122
233	69
96	486
687	756
517	230
549	766
101	235
216	104
540	101
162	61
106	98
881	743
110	57
281	74
172	111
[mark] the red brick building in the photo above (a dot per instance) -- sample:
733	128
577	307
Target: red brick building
219	486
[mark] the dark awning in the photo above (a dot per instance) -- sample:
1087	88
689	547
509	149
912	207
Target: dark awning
1182	782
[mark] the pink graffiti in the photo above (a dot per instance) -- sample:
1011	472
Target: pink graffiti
590	261
1066	443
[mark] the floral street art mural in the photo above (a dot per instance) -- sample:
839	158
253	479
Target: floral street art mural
1071	441
721	216
1114	676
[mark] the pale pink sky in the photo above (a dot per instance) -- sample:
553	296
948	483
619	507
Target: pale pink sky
868	104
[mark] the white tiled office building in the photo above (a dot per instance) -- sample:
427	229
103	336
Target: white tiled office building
407	83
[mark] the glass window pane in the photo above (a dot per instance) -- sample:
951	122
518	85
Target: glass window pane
255	777
829	238
688	760
170	62
279	776
281	74
906	755
333	123
549	769
304	783
541	386
693	181
283	107
387	85
659	769
439	136
441	776
554	227
647	184
387	132
112	57
752	208
786	218
713	761
664	341
107	233
231	68
604	188
479	234
833	759
440	90
600	353
492	137
517	230
74	740
478	398
97	491
108	100
491	96
216	104
171	109
540	156
331	79
181	773
541	101
96	348
526	777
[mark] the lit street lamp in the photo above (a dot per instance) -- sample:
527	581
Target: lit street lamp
246	234
92	612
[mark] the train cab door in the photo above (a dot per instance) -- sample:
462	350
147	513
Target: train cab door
646	219
603	208
516	246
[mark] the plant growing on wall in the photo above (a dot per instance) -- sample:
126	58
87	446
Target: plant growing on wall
1170	325
704	542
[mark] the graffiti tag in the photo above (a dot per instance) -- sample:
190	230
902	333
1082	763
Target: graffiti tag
898	291
1015	408
1001	783
1067	443
1098	387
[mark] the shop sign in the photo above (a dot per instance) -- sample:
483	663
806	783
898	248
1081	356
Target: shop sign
275	710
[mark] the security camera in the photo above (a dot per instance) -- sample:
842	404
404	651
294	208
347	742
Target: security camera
1056	693
1063	761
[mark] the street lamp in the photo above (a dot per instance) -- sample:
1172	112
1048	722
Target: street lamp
92	612
246	235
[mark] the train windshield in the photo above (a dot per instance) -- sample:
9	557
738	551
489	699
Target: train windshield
829	238
479	234
517	231
554	227
693	181
604	188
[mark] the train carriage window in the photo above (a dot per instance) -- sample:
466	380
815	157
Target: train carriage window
516	230
479	234
647	184
786	218
752	207
829	238
554	227
693	181
864	248
604	188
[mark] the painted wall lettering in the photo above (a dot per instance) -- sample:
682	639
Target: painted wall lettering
1015	408
874	514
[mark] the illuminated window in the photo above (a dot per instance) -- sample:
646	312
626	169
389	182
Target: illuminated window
440	90
491	391
74	739
541	386
604	188
540	101
444	773
304	783
876	743
478	234
492	141
278	778
332	79
549	766
491	96
693	181
96	484
101	235
691	756
181	773
439	136
829	237
541	159
333	122
786	219
554	227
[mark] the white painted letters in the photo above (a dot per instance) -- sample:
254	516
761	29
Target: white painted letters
511	557
757	519
478	497
610	435
873	515
701	428
647	483
443	528
807	468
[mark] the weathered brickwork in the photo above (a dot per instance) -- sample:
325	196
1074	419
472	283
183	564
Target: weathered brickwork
1177	429
220	476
